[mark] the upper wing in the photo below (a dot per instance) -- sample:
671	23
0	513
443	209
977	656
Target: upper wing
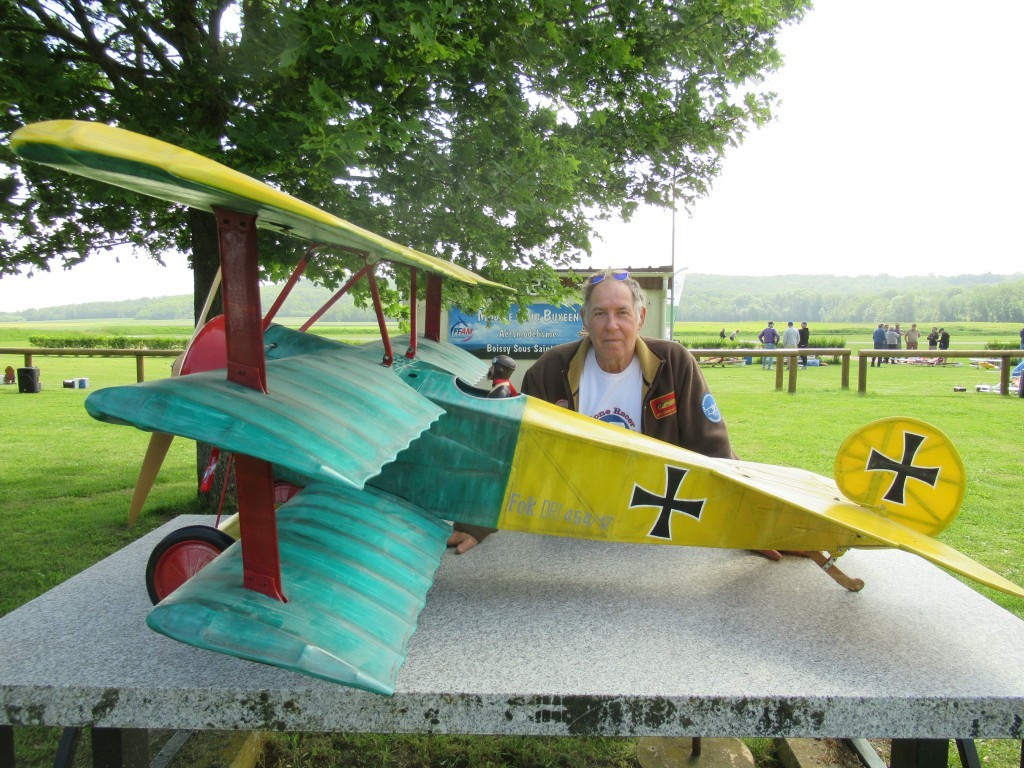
356	567
332	415
168	172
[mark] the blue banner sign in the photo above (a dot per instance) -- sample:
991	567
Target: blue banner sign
546	326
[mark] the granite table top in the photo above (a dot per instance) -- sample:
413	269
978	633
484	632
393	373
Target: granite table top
538	635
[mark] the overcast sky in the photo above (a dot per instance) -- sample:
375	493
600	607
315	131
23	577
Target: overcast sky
896	149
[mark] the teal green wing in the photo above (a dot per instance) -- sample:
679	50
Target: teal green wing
356	568
331	415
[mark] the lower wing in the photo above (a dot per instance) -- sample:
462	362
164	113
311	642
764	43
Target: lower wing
356	568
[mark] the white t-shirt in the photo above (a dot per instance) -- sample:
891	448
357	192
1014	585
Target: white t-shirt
614	398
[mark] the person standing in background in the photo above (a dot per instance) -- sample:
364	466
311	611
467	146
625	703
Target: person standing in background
769	338
912	336
790	340
878	342
892	341
805	341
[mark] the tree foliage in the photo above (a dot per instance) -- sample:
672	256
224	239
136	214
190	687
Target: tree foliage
487	133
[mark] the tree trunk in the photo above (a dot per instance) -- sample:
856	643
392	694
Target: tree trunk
205	262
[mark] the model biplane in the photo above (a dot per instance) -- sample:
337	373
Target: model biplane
385	450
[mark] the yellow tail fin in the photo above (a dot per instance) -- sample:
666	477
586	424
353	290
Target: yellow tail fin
904	469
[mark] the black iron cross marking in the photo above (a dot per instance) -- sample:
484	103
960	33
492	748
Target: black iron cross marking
669	503
904	468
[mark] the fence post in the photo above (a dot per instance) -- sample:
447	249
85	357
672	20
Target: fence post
844	361
862	374
140	368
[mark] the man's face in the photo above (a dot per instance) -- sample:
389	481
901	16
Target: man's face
613	324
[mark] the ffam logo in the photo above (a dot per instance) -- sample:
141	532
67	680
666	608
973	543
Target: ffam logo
460	331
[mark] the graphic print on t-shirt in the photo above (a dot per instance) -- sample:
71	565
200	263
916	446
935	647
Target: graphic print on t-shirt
614	398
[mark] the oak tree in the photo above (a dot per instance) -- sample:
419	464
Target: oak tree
488	133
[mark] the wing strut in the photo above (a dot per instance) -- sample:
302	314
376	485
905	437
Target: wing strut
243	324
382	322
411	352
432	324
292	280
330	302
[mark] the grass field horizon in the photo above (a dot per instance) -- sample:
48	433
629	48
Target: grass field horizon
69	478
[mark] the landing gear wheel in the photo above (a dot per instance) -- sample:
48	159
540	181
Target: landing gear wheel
180	556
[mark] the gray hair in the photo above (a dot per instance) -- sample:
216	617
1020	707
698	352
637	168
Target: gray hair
639	297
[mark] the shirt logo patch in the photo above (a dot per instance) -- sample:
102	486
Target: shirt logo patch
664	406
562	403
710	408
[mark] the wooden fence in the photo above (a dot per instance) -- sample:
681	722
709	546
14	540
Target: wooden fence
781	354
844	355
139	354
864	355
941	355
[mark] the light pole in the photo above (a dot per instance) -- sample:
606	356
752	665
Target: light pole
672	250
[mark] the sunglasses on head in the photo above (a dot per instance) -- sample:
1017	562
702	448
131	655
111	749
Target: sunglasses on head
617	274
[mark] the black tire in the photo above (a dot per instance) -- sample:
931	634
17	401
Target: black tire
180	555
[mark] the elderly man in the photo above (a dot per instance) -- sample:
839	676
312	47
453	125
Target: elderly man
645	385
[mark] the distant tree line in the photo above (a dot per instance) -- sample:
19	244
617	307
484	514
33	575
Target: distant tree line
816	298
303	301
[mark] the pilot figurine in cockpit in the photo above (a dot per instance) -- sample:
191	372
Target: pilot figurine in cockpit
499	373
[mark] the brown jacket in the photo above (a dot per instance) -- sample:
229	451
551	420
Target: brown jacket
678	408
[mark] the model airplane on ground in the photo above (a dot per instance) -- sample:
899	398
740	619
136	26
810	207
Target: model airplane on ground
330	582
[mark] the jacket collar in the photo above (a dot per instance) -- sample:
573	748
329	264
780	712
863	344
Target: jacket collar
649	365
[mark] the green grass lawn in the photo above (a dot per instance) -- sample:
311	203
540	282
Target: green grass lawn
68	480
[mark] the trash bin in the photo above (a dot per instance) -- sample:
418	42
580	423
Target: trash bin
28	380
